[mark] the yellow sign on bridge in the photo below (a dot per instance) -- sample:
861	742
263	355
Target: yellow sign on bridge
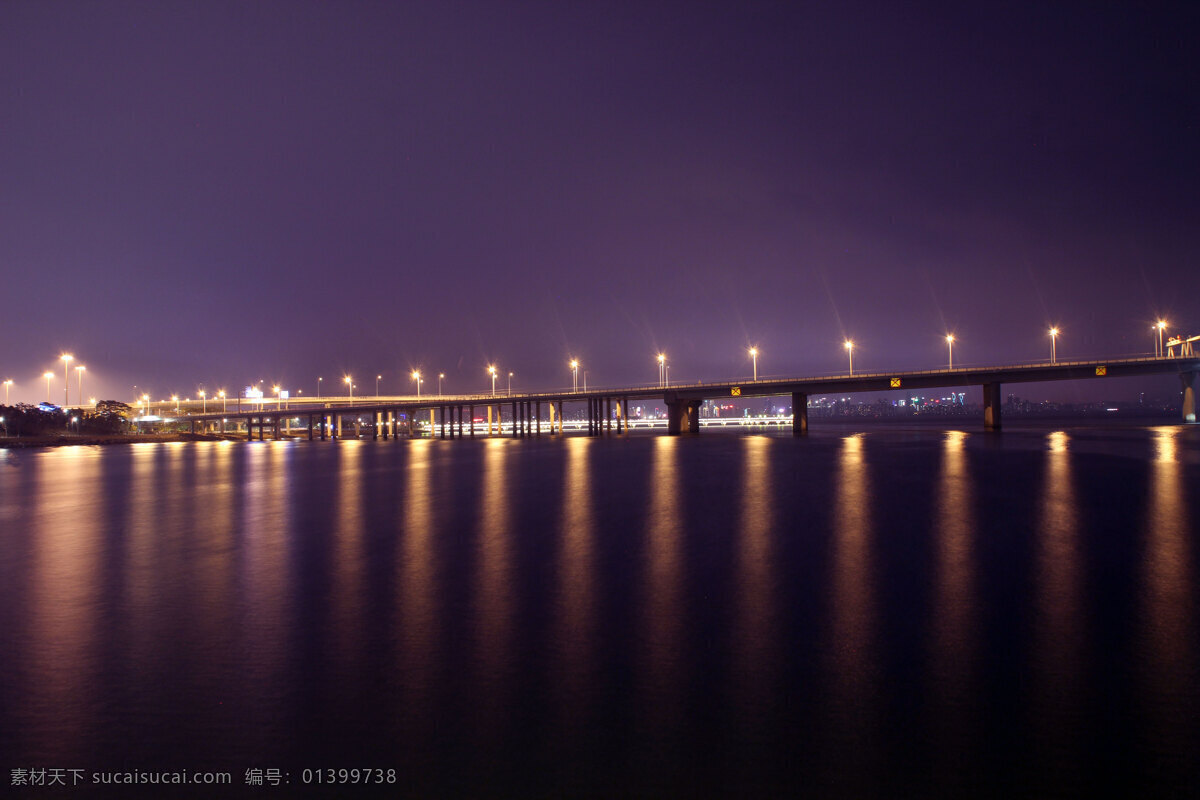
736	391
895	383
1101	372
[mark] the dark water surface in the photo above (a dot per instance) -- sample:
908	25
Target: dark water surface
888	613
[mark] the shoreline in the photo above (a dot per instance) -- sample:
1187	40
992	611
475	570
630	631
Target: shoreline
23	442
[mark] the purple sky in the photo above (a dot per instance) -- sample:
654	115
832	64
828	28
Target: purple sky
210	193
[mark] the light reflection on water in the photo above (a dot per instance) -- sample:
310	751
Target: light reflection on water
954	620
1057	648
1168	612
512	613
853	658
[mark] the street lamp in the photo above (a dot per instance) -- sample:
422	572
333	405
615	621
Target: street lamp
574	375
377	379
221	394
510	384
1162	325
66	359
662	360
278	397
146	400
416	376
319	387
492	371
1053	343
79	370
48	376
203	401
349	383
849	345
950	344
7	386
175	397
754	357
440	376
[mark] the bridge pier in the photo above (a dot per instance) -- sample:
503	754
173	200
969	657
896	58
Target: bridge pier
799	414
991	406
1188	406
681	413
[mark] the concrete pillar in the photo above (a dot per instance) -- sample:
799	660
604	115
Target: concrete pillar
489	419
277	429
310	427
991	406
560	417
516	430
262	423
537	416
192	425
357	426
799	414
625	412
1188	406
608	424
683	415
375	428
338	422
324	426
551	404
471	420
249	429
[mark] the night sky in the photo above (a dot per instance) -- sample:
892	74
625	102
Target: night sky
214	193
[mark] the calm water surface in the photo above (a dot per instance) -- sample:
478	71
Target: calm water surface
888	613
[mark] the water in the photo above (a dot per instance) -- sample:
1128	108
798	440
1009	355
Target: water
888	613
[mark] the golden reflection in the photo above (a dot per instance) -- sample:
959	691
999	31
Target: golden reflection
418	613
264	558
852	669
140	543
664	578
1058	632
494	607
349	515
576	591
212	505
754	633
67	549
1167	627
954	621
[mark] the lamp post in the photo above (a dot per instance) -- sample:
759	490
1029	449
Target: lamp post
574	375
440	376
67	358
175	397
492	371
146	401
510	384
319	387
203	401
48	376
1053	343
754	358
349	383
221	394
1162	325
278	397
377	379
950	344
7	385
849	345
79	370
416	376
662	360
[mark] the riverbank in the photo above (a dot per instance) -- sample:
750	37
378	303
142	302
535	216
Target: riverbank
61	440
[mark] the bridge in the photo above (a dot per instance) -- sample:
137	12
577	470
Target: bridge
607	409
